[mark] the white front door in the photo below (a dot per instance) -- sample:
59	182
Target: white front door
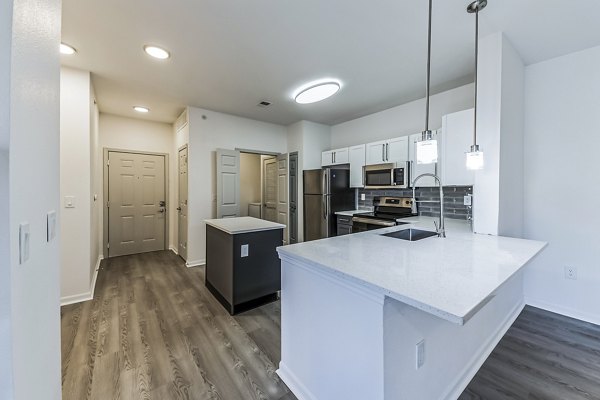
182	221
228	183
136	203
282	194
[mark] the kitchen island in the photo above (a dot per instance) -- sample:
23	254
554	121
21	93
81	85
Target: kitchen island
242	267
367	316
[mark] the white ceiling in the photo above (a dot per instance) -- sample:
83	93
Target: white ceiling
229	55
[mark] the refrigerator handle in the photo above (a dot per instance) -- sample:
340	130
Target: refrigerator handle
324	207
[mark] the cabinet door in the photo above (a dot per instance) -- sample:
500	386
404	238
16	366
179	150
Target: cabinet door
340	156
418	169
344	230
326	158
456	139
357	162
376	152
397	149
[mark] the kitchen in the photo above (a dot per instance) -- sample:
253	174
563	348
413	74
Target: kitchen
407	274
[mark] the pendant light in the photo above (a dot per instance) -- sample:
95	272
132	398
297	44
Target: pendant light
427	148
475	156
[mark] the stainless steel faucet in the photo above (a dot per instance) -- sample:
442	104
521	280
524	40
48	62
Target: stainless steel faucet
441	229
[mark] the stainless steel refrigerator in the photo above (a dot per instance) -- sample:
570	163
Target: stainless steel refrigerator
325	192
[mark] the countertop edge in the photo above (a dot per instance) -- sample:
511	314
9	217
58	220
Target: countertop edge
237	232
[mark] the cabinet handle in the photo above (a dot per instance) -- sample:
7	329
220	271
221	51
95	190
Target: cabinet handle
383	152
387	152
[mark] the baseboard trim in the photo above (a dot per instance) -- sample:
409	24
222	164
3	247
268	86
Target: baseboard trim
473	367
78	298
292	382
562	310
196	263
174	250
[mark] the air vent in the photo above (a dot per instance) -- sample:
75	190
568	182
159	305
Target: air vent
182	121
264	104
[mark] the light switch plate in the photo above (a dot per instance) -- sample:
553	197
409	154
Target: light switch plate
23	242
69	201
50	226
244	250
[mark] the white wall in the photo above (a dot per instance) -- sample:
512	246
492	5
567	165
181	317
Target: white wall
75	168
124	133
33	192
498	189
402	120
561	184
250	181
205	136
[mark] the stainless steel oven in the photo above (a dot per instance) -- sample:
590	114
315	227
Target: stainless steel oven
360	224
387	212
387	176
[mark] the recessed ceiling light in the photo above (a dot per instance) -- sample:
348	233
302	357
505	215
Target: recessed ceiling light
66	49
316	91
157	52
141	109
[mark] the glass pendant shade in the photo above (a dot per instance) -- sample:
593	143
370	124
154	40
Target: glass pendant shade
475	160
427	151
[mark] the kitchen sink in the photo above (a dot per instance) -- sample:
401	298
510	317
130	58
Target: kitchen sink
410	234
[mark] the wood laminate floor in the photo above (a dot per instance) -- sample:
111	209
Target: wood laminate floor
154	332
543	356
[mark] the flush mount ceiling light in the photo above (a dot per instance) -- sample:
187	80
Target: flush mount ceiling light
157	52
141	109
66	49
427	147
316	91
475	156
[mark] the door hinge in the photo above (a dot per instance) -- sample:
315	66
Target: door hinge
108	245
108	204
108	163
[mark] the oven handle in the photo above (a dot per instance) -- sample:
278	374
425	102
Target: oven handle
373	221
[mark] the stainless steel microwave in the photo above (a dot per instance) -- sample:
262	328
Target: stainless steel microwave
387	176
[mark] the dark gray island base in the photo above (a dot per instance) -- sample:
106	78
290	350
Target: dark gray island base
243	279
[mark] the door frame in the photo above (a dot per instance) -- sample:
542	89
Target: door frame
105	226
176	198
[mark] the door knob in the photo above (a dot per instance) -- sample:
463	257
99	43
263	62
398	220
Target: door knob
161	210
178	208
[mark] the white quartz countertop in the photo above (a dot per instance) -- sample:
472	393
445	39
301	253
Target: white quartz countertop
243	225
350	213
451	278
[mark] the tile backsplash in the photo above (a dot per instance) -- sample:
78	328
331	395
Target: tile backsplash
453	200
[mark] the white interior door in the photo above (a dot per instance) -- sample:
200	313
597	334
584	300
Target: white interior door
228	183
270	189
282	194
136	203
182	208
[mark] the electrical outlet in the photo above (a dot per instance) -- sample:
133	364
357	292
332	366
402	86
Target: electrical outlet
244	250
23	242
50	226
570	272
467	200
420	349
363	197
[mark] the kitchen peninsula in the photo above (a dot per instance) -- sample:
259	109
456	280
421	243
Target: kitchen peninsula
385	318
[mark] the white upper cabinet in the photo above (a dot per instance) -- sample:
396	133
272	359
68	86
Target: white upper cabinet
357	156
334	157
387	151
397	149
456	140
418	169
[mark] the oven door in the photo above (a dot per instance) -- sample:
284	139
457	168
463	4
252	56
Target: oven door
360	224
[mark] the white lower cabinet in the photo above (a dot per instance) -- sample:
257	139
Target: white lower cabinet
357	157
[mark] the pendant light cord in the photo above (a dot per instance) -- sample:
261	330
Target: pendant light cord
476	65
428	79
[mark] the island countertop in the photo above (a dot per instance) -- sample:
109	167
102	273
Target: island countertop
451	278
239	225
